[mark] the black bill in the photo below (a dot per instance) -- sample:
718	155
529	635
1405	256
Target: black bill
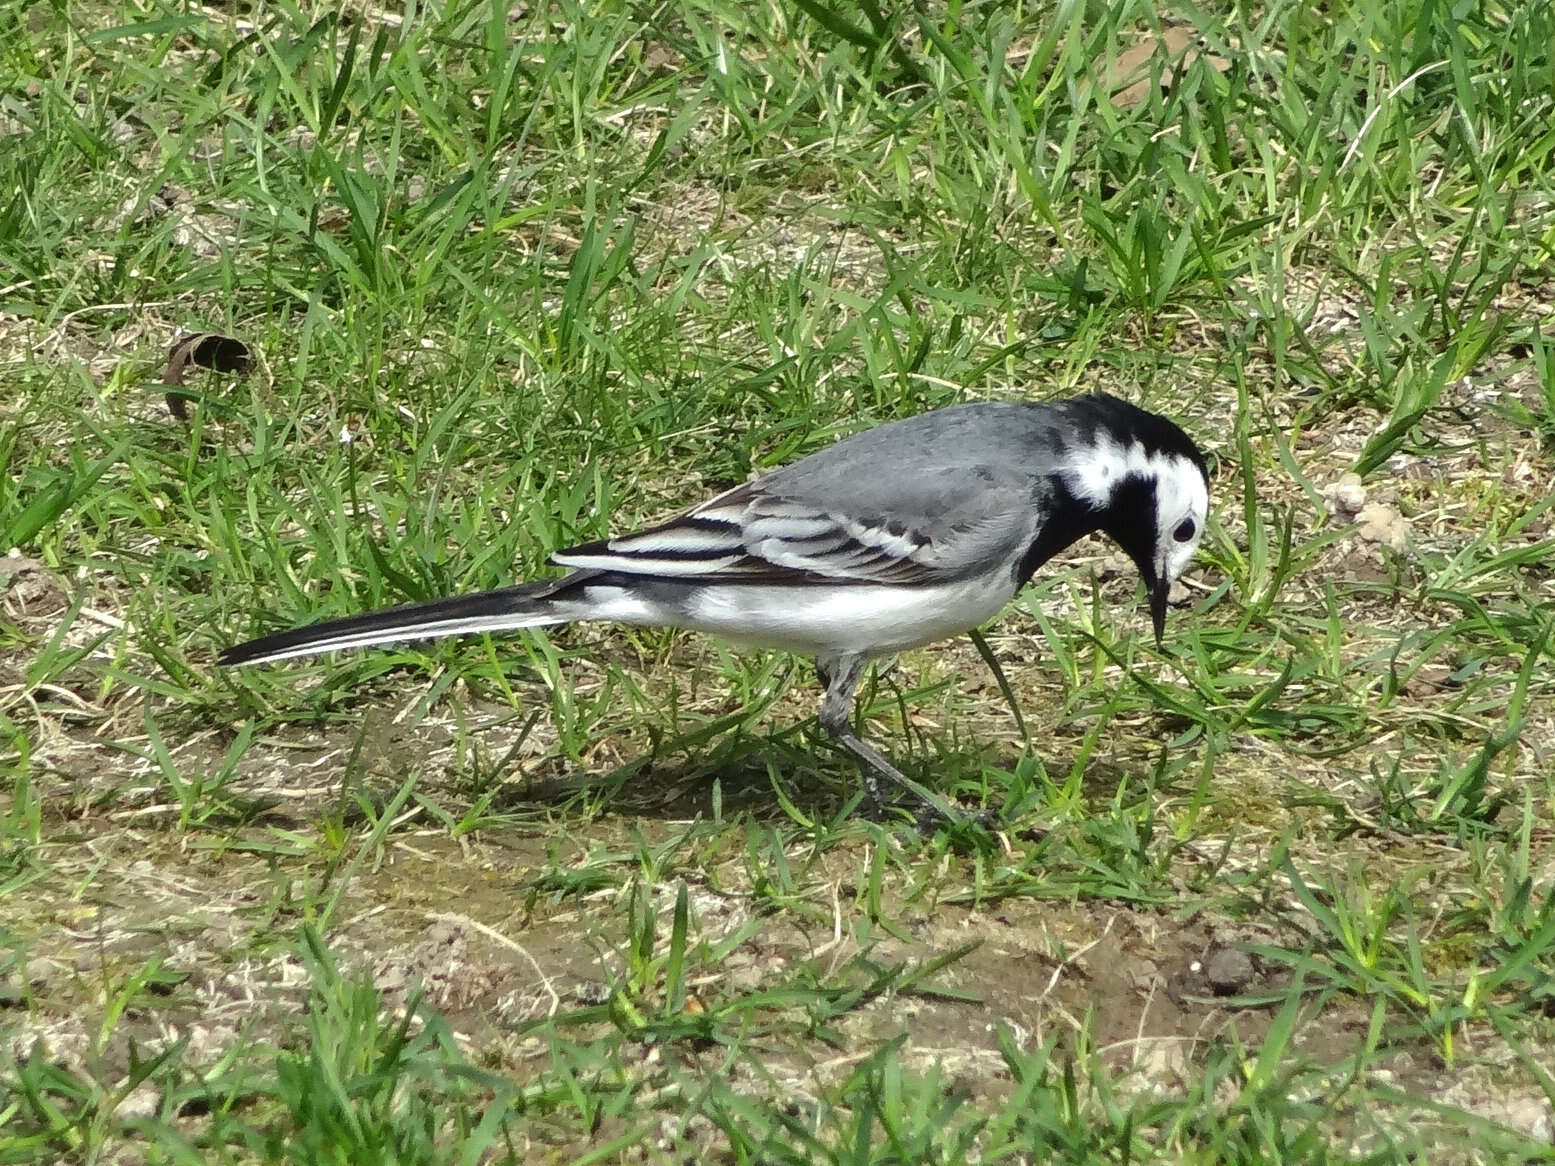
1158	595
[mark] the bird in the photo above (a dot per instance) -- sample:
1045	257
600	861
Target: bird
895	537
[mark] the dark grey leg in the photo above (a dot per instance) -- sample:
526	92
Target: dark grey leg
841	676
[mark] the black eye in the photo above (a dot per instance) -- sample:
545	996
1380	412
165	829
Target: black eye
1185	530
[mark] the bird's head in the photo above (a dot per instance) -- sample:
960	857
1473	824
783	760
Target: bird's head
1150	484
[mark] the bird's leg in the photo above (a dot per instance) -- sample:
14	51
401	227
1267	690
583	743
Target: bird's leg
841	676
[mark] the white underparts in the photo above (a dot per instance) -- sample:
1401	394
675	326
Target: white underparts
815	619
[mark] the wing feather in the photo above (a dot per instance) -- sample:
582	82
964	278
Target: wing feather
778	531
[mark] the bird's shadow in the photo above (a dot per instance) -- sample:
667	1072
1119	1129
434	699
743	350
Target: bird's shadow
741	775
789	775
768	779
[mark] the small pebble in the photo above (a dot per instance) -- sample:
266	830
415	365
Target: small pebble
1383	524
142	1101
1228	971
1347	496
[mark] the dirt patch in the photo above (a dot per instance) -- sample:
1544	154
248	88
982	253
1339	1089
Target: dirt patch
482	932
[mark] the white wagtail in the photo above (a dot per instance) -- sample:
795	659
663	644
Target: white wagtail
895	537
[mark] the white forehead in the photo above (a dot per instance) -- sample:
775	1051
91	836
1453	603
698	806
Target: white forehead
1180	493
1180	490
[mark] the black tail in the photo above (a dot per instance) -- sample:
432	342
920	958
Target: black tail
524	606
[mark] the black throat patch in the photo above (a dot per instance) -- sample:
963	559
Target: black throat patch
1069	520
1129	521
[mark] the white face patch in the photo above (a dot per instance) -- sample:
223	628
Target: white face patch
1181	508
1181	497
1096	470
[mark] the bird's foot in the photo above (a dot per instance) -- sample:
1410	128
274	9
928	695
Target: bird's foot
930	819
929	815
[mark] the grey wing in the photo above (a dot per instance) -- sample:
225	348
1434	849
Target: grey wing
904	528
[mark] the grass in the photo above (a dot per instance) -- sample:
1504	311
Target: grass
513	277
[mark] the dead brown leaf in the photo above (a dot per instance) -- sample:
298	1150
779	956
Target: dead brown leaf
1128	77
202	350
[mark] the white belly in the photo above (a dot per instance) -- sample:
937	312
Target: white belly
825	620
